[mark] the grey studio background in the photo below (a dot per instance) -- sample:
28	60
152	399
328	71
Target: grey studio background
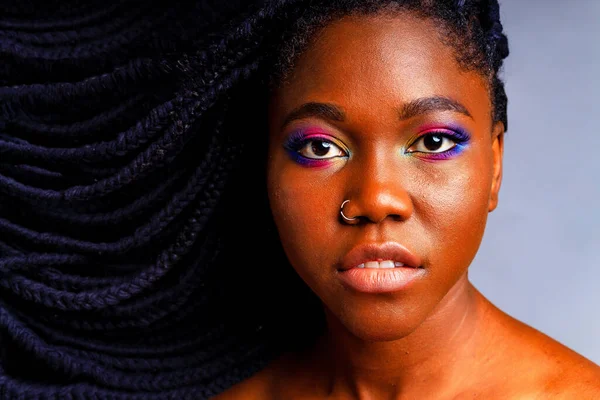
540	257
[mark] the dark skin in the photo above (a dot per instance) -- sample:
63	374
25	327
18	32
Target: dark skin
438	337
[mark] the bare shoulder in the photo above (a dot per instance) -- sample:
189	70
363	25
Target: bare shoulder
569	374
256	387
286	375
545	367
261	386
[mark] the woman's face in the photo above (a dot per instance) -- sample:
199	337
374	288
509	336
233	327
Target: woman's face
377	111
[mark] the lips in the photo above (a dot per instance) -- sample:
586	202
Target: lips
380	268
385	254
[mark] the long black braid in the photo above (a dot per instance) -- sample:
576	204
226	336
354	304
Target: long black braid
135	234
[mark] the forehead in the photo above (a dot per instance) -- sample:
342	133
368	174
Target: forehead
381	61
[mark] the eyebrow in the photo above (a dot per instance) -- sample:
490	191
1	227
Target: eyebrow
408	110
429	104
324	111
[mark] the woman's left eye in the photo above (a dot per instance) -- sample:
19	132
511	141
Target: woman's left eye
320	149
432	143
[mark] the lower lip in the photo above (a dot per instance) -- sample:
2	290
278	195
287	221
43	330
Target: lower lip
380	280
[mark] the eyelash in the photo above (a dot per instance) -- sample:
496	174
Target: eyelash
458	136
299	140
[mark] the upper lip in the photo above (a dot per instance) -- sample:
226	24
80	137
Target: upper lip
379	252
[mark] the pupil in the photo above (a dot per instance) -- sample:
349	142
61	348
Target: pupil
433	142
320	148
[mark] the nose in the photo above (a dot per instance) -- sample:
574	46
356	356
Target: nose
378	192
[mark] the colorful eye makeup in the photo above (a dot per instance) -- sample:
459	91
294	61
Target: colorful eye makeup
439	143
312	148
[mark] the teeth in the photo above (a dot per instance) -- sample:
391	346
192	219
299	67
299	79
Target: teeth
381	264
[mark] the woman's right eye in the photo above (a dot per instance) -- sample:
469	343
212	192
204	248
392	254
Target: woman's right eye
320	149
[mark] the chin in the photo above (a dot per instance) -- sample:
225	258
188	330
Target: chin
377	323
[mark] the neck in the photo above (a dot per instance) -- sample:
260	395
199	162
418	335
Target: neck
435	357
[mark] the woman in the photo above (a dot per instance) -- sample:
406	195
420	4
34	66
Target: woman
396	113
163	276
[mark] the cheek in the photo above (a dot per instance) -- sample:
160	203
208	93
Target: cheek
304	221
453	208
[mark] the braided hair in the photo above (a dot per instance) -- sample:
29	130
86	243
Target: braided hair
135	234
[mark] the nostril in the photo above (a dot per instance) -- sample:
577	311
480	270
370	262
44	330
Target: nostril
376	203
378	212
397	217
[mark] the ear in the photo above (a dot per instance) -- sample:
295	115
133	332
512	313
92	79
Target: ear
497	154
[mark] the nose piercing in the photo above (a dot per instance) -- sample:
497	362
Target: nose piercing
342	212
